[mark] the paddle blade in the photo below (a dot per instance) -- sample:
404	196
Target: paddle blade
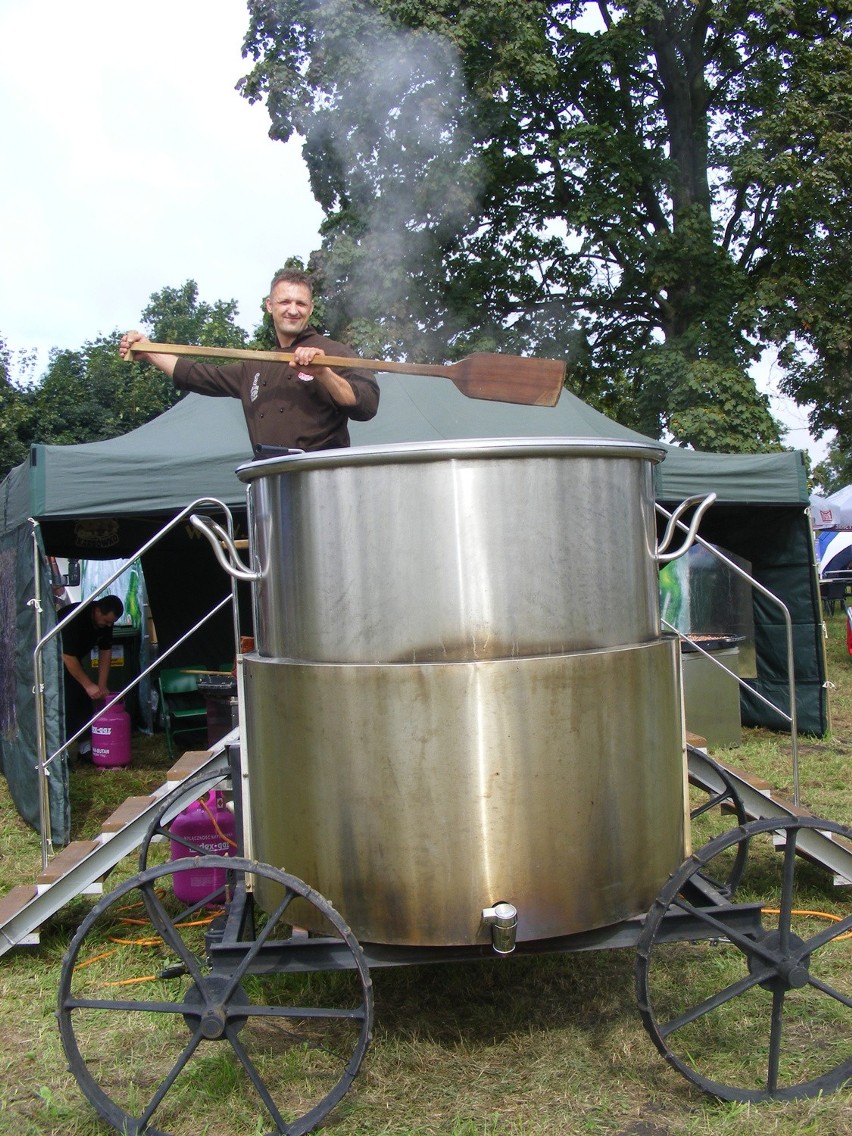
509	378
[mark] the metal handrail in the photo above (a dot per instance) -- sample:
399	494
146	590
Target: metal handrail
44	762
792	717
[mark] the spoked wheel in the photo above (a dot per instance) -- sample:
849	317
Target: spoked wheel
760	1014
160	827
710	808
161	1043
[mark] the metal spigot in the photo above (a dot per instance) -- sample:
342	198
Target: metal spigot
503	920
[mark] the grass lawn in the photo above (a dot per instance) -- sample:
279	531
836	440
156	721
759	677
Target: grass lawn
523	1046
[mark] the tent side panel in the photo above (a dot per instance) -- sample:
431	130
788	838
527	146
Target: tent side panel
18	745
779	546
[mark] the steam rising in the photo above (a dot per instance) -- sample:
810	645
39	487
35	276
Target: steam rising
402	153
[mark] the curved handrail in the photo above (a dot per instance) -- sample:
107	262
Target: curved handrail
792	717
224	549
703	502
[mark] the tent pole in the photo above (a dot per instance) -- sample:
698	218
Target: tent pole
38	689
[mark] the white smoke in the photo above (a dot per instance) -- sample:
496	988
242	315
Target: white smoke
403	138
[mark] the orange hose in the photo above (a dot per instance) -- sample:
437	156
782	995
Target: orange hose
816	915
215	823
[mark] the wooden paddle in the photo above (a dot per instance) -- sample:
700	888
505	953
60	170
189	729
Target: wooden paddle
498	378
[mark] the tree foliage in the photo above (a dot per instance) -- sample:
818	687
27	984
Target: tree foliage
657	197
176	315
18	418
834	471
89	394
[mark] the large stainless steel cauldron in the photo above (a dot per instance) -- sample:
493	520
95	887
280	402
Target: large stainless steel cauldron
414	796
460	694
455	551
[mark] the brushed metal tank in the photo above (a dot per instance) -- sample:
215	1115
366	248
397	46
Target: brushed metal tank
415	795
454	550
460	695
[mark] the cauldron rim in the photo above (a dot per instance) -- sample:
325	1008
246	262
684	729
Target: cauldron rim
442	449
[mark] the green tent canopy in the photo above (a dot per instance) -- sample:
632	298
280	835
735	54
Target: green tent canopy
193	450
105	499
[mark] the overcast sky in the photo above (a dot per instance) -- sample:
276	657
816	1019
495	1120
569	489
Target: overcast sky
130	163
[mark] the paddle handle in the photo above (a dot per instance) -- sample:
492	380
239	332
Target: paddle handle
286	357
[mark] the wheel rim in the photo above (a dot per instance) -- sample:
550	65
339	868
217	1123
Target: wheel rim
178	1044
754	1016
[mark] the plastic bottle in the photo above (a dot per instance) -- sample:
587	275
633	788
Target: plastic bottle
209	825
111	736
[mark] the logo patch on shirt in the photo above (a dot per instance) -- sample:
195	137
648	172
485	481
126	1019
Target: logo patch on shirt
255	384
306	378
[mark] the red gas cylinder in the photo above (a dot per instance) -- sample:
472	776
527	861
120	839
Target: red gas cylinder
111	736
209	825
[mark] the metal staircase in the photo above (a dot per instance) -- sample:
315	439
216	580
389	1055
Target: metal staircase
81	866
761	801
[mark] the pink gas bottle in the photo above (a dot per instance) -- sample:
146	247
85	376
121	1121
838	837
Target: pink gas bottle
111	736
208	824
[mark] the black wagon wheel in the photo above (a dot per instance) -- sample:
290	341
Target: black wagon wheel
763	1012
160	828
714	798
164	1042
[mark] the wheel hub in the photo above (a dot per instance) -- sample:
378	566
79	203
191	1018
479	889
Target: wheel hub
216	1014
791	967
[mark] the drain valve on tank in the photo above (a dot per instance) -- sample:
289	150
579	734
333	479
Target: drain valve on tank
503	920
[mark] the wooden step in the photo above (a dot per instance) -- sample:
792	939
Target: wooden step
801	811
70	856
795	810
755	782
186	765
12	903
126	812
16	900
835	837
70	873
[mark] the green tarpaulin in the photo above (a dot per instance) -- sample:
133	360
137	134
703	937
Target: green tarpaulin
18	639
193	449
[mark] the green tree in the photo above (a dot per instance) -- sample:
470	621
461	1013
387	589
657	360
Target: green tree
89	394
176	315
657	198
18	418
835	471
